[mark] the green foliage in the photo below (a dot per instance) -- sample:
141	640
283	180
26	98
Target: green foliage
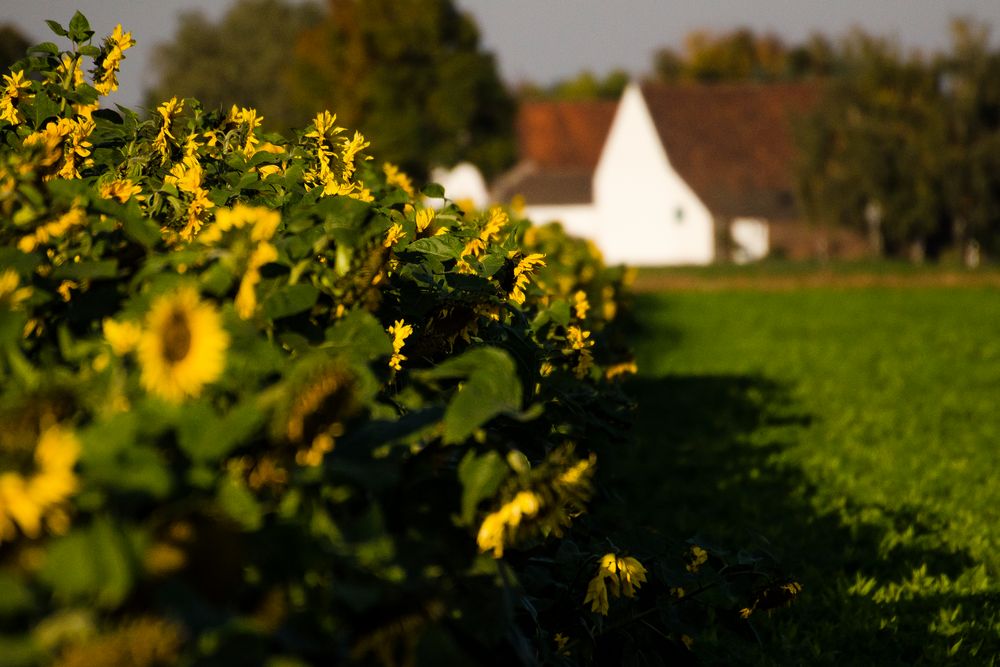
708	57
903	147
411	74
243	59
260	405
584	86
853	432
743	55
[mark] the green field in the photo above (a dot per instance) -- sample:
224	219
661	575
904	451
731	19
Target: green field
853	433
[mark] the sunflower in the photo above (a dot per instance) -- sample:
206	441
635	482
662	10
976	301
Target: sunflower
29	501
183	346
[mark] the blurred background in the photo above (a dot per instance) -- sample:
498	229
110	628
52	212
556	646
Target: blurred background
888	147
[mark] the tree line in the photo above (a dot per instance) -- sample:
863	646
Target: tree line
904	147
410	73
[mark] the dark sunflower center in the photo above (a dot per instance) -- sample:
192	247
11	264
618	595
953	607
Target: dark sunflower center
176	337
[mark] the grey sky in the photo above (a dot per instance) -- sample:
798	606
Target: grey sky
543	40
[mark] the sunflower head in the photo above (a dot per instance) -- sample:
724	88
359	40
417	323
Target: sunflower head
183	346
320	400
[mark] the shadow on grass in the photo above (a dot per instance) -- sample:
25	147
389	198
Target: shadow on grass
707	462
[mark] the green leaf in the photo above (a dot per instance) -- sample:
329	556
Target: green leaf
20	651
57	28
434	190
490	264
443	247
79	28
142	231
94	565
491	388
206	437
111	551
107	268
142	470
84	94
558	312
15	596
44	47
343	217
289	300
139	470
394	197
236	500
379	432
23	263
360	334
43	108
265	157
109	115
72	190
481	476
32	194
247	180
114	456
217	280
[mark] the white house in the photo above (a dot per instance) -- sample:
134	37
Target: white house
463	182
648	214
680	174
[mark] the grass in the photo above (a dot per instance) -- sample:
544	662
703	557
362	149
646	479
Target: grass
855	433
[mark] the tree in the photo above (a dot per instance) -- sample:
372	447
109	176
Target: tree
881	132
13	44
743	55
243	59
584	86
412	75
739	55
970	75
908	147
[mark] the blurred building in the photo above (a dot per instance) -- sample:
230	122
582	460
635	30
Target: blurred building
678	174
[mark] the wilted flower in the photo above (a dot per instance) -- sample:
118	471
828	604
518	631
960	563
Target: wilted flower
619	576
108	63
522	273
168	111
498	527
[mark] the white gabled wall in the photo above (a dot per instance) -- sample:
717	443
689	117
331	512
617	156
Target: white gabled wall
647	213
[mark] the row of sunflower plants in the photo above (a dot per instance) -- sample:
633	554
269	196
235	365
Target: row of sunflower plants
259	404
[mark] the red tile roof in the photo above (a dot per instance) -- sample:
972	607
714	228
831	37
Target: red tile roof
560	144
733	143
564	135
